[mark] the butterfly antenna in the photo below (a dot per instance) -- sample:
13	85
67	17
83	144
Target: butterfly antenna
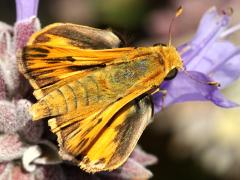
178	13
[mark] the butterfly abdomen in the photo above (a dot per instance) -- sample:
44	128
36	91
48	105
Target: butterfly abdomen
67	98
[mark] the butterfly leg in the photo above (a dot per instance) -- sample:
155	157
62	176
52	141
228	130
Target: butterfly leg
154	90
164	94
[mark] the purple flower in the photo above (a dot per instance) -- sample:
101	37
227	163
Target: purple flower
26	9
207	58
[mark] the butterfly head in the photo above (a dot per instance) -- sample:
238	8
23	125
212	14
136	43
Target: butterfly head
171	57
172	61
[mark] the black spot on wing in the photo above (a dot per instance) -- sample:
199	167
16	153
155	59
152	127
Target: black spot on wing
37	49
79	68
42	38
36	55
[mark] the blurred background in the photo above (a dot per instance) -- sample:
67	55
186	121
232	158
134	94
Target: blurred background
192	140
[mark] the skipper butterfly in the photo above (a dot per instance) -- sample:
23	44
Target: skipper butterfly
97	96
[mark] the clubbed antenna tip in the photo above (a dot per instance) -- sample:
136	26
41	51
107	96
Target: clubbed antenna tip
178	13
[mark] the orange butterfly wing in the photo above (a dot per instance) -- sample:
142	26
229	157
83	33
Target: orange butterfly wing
94	123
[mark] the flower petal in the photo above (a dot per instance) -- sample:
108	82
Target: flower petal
45	153
26	9
32	131
23	30
5	39
130	170
211	26
2	87
14	117
221	62
11	147
191	87
142	157
215	57
14	172
229	69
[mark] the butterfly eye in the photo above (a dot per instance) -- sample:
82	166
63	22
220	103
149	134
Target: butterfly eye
172	74
159	44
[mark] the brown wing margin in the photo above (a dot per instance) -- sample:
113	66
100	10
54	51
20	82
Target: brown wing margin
113	143
120	137
67	34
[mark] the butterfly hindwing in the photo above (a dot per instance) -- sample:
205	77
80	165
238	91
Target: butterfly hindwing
120	137
100	142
